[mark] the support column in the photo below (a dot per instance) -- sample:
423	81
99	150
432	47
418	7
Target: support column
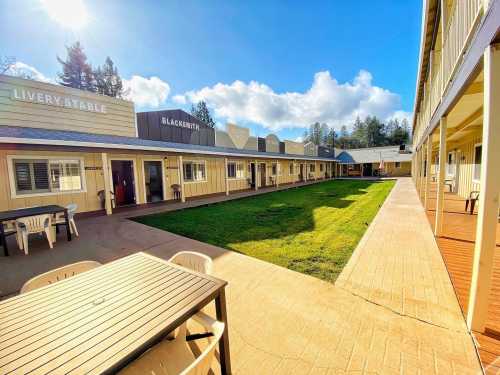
226	175
417	171
422	171
277	173
438	223
487	217
256	175
428	158
107	184
181	178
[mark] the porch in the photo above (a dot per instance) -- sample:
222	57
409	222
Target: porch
456	244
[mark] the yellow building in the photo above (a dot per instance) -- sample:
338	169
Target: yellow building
60	145
456	126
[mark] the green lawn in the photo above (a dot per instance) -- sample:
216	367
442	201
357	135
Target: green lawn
312	229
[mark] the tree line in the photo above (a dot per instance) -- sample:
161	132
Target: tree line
370	132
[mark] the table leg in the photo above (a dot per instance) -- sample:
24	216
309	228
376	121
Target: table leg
68	230
4	241
220	308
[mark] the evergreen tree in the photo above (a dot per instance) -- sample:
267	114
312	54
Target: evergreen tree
76	72
201	112
108	81
359	134
374	132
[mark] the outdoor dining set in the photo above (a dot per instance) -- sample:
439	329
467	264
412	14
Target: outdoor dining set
41	220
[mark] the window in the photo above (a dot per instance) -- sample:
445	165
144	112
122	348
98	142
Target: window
312	168
398	164
291	171
274	169
34	176
235	170
478	151
194	171
321	167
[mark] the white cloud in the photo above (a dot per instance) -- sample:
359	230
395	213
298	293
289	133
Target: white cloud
20	69
146	92
299	139
326	100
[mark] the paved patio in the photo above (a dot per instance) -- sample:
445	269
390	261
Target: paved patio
392	310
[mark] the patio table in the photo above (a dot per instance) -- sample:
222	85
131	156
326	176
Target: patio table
31	211
100	320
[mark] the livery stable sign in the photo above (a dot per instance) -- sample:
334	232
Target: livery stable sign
64	101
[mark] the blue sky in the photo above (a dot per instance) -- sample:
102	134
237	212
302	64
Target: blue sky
271	65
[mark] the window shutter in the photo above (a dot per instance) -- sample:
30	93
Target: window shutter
41	176
23	176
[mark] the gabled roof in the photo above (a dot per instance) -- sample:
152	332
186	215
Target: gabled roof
22	135
373	155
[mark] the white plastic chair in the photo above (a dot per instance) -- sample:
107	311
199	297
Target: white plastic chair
176	357
59	219
58	274
194	261
34	224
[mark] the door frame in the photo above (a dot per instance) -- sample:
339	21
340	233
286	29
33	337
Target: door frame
134	167
163	177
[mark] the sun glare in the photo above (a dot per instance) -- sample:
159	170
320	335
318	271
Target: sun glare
71	14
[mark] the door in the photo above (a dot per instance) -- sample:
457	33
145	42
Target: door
301	174
262	171
367	169
253	174
153	179
123	182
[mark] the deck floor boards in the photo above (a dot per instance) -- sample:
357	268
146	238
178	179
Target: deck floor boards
457	248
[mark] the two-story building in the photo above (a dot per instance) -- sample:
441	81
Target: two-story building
456	139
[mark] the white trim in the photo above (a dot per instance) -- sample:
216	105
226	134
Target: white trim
134	167
52	142
236	170
12	183
163	177
474	162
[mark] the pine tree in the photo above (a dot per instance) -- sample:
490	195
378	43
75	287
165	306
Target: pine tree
108	81
201	112
76	72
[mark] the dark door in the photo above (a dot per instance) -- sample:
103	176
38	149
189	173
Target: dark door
301	174
153	178
123	182
262	174
367	169
253	173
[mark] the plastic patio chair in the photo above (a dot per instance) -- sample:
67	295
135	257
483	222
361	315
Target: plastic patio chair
176	357
194	261
32	225
59	219
58	274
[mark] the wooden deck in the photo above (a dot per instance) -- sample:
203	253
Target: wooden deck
457	248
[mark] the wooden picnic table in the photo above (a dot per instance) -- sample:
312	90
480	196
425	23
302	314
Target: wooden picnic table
30	211
100	320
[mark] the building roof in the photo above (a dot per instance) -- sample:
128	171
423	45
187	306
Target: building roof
38	136
373	155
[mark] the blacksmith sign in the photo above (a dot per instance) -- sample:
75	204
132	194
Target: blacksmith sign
174	126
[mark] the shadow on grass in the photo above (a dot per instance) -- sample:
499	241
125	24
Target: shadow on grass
269	216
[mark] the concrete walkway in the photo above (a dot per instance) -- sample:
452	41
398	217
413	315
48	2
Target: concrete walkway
392	310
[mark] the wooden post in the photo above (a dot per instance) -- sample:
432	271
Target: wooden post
422	171
107	184
428	172
487	218
181	178
438	224
277	173
226	176
256	175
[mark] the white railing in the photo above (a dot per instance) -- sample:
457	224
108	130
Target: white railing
463	19
461	25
